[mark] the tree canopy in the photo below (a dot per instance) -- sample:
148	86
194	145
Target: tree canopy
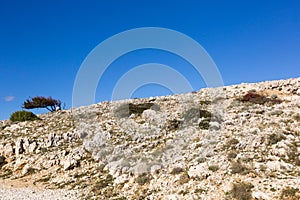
42	102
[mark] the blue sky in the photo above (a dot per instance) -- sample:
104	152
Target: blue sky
43	43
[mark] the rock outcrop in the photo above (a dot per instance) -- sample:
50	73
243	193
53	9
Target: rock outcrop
235	142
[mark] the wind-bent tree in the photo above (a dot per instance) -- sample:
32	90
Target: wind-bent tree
42	102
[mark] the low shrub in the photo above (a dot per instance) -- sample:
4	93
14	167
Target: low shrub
173	125
238	168
230	144
213	168
176	170
125	110
275	138
242	191
290	193
184	178
193	114
232	155
204	124
256	98
143	179
20	116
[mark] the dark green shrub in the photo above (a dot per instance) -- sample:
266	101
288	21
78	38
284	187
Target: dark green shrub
204	124
126	110
20	116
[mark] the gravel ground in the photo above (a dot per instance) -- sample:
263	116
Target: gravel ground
10	193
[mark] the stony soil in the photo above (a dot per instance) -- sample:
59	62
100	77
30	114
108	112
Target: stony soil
235	142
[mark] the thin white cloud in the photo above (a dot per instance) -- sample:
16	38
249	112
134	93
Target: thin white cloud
9	98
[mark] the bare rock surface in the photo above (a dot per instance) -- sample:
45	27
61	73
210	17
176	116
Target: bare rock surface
234	142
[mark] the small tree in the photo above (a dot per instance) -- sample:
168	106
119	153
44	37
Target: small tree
42	102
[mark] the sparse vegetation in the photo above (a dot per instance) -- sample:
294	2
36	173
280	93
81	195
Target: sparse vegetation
125	110
293	155
143	179
173	125
290	193
181	159
230	144
241	191
204	124
256	98
176	170
231	155
184	178
213	168
193	114
238	168
275	138
20	116
199	190
183	192
104	182
201	160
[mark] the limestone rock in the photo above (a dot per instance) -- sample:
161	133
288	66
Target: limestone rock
199	171
32	147
156	149
69	163
8	150
260	195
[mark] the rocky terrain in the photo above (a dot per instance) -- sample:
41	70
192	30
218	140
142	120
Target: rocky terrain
236	142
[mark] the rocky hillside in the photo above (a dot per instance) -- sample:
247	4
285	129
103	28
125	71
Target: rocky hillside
235	142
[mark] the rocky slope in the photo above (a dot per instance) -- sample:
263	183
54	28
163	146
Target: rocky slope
236	142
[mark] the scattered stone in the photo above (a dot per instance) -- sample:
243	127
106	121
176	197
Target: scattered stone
69	163
32	147
174	147
8	150
199	171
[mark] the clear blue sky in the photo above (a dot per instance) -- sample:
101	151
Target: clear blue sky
43	43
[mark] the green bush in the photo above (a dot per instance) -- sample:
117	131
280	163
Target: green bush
20	116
